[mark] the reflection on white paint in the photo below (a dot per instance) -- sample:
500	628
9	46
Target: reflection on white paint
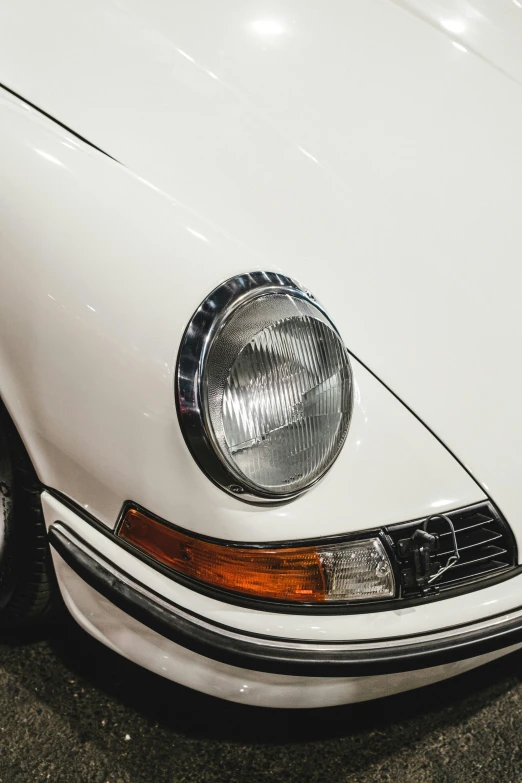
308	155
196	234
155	188
459	46
439	503
192	60
49	157
268	27
91	308
453	25
186	56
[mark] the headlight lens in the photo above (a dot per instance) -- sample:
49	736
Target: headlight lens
274	388
282	414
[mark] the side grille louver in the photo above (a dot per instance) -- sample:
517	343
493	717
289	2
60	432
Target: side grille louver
485	544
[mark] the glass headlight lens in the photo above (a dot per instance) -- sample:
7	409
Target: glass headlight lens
275	390
286	403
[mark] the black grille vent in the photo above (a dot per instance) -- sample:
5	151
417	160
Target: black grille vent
486	548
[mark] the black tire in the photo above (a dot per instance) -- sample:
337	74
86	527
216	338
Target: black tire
28	590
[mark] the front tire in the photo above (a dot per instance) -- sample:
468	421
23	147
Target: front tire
28	589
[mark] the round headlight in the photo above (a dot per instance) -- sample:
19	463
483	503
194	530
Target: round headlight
264	388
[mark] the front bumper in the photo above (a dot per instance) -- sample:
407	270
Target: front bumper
277	655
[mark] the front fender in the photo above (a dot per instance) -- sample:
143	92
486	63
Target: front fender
101	272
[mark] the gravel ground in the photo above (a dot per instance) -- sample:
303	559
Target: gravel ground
71	710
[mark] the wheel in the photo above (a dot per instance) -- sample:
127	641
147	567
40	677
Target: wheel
28	589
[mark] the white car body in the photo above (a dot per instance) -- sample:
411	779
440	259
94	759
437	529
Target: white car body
371	150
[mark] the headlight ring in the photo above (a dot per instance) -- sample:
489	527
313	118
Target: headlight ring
263	388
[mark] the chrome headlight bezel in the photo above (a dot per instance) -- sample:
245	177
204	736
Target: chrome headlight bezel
204	327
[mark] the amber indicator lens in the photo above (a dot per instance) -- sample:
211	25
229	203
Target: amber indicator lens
351	571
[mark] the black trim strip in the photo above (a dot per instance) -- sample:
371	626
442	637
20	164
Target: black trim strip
264	654
457	459
56	122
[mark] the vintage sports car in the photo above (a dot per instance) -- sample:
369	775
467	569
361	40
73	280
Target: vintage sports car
260	333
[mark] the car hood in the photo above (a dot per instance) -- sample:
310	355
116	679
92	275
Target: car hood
372	151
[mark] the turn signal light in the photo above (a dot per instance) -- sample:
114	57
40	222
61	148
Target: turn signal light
355	570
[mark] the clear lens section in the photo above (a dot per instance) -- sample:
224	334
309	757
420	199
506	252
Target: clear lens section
357	570
286	404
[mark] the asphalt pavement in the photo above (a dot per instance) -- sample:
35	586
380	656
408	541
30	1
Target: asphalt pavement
72	711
